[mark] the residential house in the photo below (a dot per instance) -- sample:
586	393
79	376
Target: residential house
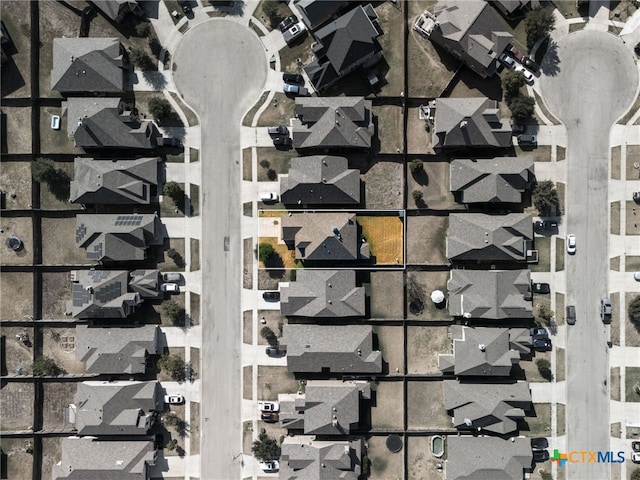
484	352
116	350
488	457
470	30
323	294
327	123
115	408
344	46
305	458
495	180
118	238
477	237
117	10
320	180
469	122
87	65
114	182
514	8
491	407
316	12
146	283
490	294
335	349
85	458
327	237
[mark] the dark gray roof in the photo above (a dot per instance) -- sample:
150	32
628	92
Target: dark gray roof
490	294
117	9
146	283
322	236
101	294
487	458
332	122
481	237
492	407
328	407
115	350
113	182
86	458
499	180
323	293
315	12
87	64
344	45
305	458
118	238
116	408
320	179
510	6
482	352
78	109
469	122
341	349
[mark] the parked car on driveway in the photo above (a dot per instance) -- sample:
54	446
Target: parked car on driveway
507	60
168	142
571	315
516	53
287	23
290	89
286	141
174	399
541	288
636	276
269	197
530	64
278	130
271	296
539	332
542	344
526	139
540	456
268	406
571	244
293	78
274	351
269	417
270	466
545	225
528	76
636	197
539	443
170	287
294	32
171	277
606	310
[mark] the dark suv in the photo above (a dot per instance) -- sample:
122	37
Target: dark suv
571	315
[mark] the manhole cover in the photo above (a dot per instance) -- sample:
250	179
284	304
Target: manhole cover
394	443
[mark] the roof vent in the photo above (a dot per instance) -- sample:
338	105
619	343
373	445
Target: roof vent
359	352
482	347
307	345
463	124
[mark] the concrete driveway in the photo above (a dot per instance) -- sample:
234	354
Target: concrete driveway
589	80
221	69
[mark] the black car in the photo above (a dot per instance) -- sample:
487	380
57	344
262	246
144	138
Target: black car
530	64
274	351
542	288
635	446
278	130
186	8
271	296
636	197
270	417
286	141
168	142
293	78
540	456
541	225
539	443
287	23
517	128
539	332
571	315
542	344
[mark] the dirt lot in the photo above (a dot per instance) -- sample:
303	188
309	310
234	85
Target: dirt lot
389	119
15	180
633	219
434	185
388	412
16	76
19	462
385	235
423	283
424	406
18	287
17	354
300	50
167	264
57	396
391	21
275	380
391	344
17	406
55	141
58	199
382	179
423	346
385	465
422	465
21	228
540	425
58	243
426	240
59	344
56	288
633	156
18	129
419	138
386	294
279	111
274	322
279	162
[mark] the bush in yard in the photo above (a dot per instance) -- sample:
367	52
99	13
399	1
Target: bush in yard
173	365
545	197
265	250
43	170
172	310
264	163
140	59
512	82
160	108
636	474
172	445
174	255
416	166
45	366
538	23
272	175
544	367
269	335
265	448
634	312
546	475
143	29
522	107
174	191
545	314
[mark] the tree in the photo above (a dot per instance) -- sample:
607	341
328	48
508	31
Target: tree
270	9
546	475
545	313
269	335
636	474
43	170
265	250
140	59
143	29
174	191
522	107
172	310
544	367
416	166
512	82
545	197
265	448
634	311
173	365
160	108
172	445
538	23
45	366
264	163
417	197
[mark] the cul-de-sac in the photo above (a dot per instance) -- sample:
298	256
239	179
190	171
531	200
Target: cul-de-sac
320	240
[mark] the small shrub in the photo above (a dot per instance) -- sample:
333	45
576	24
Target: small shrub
544	367
265	251
636	474
172	365
634	311
546	475
272	175
45	366
269	335
264	163
417	196
416	166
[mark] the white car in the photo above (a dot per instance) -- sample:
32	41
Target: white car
171	277
174	399
636	276
170	287
268	406
528	76
571	243
269	197
507	60
270	466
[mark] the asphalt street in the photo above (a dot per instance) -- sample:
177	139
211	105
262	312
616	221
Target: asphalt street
221	71
589	81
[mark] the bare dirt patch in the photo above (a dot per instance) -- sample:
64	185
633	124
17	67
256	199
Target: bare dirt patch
615	385
57	397
273	320
21	228
18	129
425	406
16	406
386	295
15	181
293	58
385	465
389	406
426	239
419	138
279	112
247	327
51	454
17	355
194	308
167	264
391	344
434	185
560	364
423	346
247	382
382	177
247	262
19	463
422	465
55	141
195	427
389	119
58	243
275	380
632	226
19	288
56	290
279	161
16	73
615	162
539	423
633	158
530	369
391	21
60	345
194	361
419	288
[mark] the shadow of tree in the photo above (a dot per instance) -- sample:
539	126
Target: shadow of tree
60	185
157	80
551	64
422	178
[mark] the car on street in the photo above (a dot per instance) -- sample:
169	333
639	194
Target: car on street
542	344
174	399
539	332
540	456
528	76
294	32
571	315
530	64
539	443
526	139
507	60
186	8
606	310
636	276
271	296
269	197
278	130
269	417
170	287
286	141
287	23
571	244
270	466
265	406
541	288
171	277
293	78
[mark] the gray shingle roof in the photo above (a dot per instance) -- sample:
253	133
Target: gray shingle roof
77	109
323	293
492	407
113	182
322	236
118	238
342	46
86	458
116	408
481	237
304	458
328	407
469	122
320	179
87	64
316	12
338	348
490	294
481	352
499	180
332	122
146	283
114	350
117	9
487	458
